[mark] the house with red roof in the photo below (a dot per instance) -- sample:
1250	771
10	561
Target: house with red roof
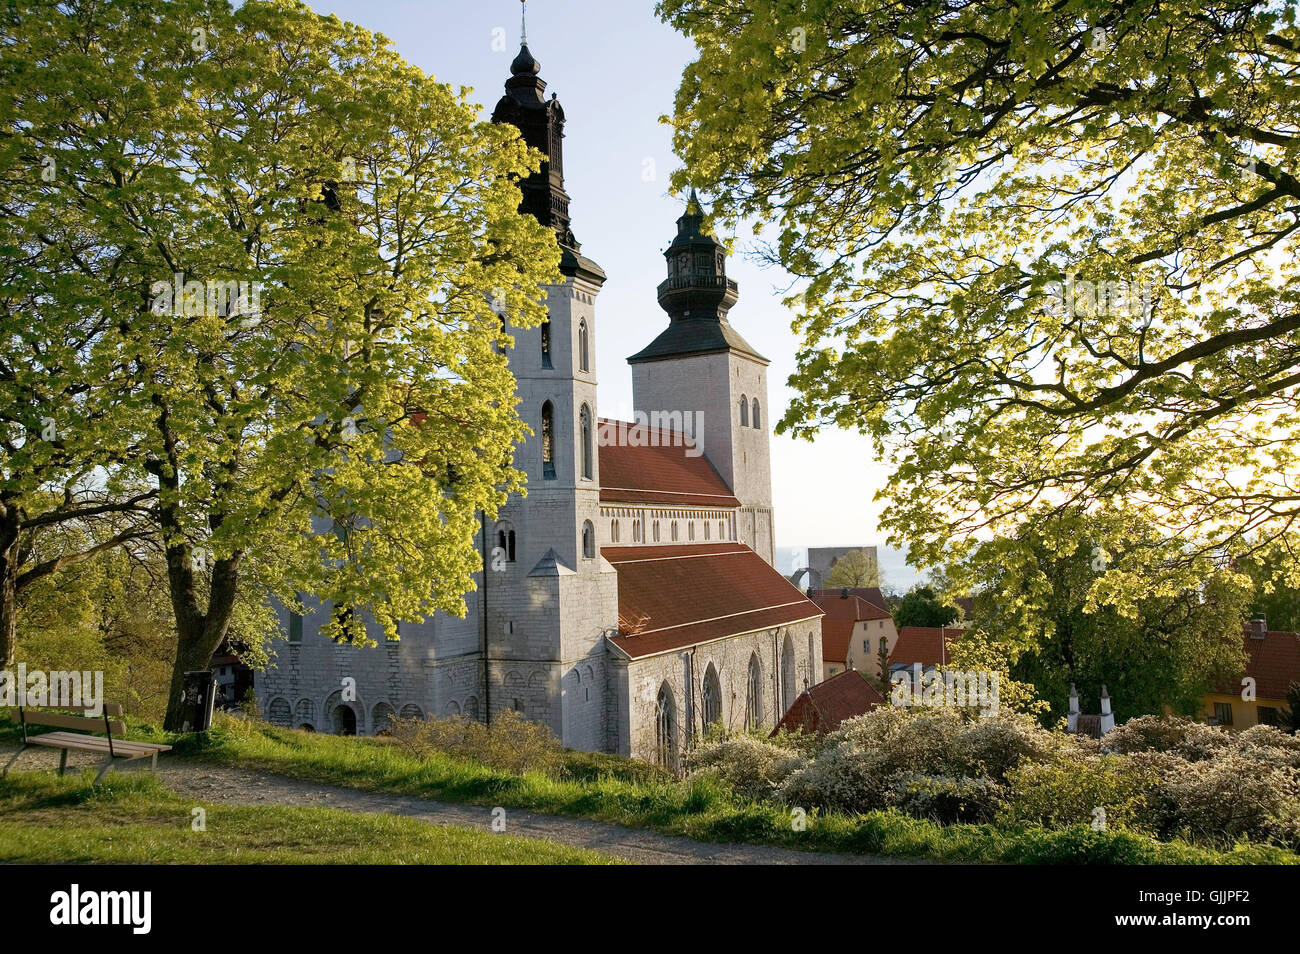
853	629
924	646
1259	695
821	708
628	600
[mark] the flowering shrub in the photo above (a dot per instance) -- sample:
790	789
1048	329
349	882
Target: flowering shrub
754	768
1168	777
510	743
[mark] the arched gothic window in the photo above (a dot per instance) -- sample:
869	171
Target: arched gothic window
506	539
546	343
744	411
584	363
588	540
665	729
584	424
754	417
754	695
548	441
711	698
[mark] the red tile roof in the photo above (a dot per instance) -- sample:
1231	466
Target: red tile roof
641	464
853	607
1273	662
871	594
927	645
824	706
836	635
672	597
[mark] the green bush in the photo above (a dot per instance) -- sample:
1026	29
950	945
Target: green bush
511	743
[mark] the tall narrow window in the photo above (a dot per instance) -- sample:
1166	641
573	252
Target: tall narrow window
584	423
548	441
665	729
744	411
583	363
295	627
754	417
588	541
674	528
754	697
546	343
655	528
506	540
711	699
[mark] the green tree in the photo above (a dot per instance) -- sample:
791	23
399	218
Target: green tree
921	606
855	568
1037	608
1276	577
336	424
1043	251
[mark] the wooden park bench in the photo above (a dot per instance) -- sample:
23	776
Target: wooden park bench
111	745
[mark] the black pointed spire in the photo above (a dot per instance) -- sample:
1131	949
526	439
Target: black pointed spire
541	123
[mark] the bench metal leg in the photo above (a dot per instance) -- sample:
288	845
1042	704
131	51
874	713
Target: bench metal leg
63	761
103	770
10	763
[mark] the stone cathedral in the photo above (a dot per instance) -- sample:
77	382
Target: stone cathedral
629	601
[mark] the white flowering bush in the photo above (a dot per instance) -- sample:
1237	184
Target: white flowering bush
754	768
1193	741
1167	777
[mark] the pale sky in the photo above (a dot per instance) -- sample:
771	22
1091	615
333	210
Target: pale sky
616	67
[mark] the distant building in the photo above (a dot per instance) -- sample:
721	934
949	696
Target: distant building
1273	662
822	559
926	646
853	629
821	708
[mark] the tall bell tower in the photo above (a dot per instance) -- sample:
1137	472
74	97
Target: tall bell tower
701	365
552	597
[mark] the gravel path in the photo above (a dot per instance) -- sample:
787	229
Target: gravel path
209	784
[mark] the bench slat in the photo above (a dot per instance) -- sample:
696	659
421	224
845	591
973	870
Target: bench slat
61	721
99	742
90	743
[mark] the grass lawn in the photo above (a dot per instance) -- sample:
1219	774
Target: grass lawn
616	789
134	818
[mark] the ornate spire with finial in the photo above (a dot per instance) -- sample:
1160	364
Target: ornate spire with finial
697	294
541	123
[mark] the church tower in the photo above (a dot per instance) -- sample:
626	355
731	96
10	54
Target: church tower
701	367
550	596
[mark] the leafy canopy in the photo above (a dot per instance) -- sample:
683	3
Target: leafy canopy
944	178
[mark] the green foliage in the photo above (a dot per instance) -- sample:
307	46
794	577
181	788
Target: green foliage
855	568
511	743
359	383
921	606
631	793
934	177
1049	607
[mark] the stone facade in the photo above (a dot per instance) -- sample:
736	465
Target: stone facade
535	637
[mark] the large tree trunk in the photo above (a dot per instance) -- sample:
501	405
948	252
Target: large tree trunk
197	634
8	586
